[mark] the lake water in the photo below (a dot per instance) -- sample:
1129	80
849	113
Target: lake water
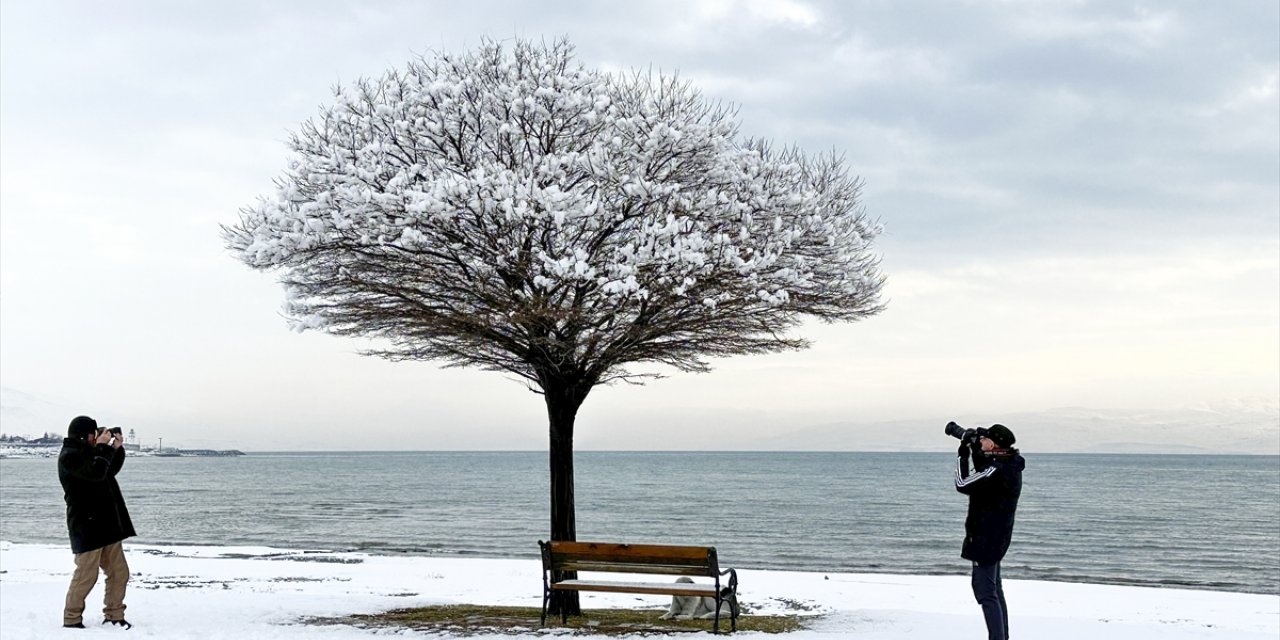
1210	522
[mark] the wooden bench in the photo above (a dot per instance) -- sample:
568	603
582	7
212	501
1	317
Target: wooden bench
561	556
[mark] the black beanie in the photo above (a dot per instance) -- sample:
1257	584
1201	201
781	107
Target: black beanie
81	427
1001	435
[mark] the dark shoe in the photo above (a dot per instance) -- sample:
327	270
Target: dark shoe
121	623
78	625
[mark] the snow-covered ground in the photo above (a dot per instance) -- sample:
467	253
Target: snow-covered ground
248	593
19	451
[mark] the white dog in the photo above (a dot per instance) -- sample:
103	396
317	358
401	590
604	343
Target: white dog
701	607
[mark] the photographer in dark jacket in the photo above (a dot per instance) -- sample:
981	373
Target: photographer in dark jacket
993	487
97	520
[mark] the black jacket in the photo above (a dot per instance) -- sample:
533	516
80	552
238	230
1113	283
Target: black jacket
96	515
993	489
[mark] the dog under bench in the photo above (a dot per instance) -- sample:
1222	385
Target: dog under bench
559	557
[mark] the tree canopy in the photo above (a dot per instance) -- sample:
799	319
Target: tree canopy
510	209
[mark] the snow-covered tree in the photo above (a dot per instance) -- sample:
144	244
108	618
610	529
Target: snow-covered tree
511	210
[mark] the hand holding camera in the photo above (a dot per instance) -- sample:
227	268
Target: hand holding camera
113	437
966	436
970	439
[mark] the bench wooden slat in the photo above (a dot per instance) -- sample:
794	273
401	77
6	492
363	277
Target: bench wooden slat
672	589
673	570
628	550
611	558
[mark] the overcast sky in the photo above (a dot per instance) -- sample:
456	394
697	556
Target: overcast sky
1081	204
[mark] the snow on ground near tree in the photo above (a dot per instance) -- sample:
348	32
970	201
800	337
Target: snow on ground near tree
248	593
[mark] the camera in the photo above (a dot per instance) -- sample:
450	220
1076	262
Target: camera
116	433
967	436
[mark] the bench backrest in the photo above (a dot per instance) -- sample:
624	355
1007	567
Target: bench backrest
559	555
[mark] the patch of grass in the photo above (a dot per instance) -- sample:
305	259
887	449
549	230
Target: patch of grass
464	620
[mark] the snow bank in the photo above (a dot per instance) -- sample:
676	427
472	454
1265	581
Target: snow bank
248	593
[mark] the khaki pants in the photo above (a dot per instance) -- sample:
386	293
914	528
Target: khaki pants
111	560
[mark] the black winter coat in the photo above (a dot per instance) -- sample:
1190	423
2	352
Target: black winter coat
993	492
96	515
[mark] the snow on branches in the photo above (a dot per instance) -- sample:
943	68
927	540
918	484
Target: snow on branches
511	209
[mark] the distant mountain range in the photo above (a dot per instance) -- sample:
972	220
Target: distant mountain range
1233	427
24	414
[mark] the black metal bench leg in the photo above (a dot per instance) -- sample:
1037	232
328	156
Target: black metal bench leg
546	596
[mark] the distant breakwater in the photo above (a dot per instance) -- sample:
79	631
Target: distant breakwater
46	450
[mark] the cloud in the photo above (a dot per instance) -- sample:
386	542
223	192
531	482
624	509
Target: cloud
706	12
784	11
1135	29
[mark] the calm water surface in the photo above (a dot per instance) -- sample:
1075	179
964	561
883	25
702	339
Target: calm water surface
1192	521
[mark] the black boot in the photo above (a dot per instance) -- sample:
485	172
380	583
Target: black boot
121	623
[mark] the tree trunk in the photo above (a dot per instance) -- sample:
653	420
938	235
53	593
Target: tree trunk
563	400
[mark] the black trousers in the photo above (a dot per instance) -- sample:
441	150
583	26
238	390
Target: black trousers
989	591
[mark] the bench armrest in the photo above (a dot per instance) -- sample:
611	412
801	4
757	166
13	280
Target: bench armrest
732	587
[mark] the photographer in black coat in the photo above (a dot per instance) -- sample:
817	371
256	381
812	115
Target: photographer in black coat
97	520
993	486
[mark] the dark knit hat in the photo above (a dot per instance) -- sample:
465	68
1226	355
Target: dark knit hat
81	427
1001	435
